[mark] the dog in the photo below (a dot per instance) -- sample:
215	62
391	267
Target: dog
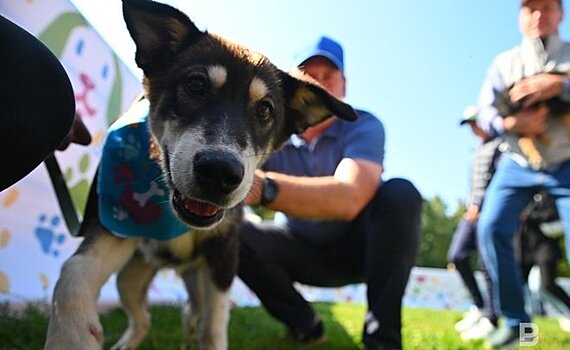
216	110
558	109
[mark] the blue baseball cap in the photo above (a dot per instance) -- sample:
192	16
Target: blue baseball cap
325	47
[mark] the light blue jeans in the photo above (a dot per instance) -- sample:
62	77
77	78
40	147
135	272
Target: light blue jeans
509	192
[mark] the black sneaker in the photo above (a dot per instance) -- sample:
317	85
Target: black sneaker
503	338
314	335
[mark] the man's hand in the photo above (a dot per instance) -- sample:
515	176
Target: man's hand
472	213
537	88
338	197
529	122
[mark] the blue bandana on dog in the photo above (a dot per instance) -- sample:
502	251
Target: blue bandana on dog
133	198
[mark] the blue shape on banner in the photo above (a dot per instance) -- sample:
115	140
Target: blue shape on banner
47	234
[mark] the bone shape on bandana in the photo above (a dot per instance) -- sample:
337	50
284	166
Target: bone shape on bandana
143	197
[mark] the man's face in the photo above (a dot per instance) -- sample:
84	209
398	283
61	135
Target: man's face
327	74
540	18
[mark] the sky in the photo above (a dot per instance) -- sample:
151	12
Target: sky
415	64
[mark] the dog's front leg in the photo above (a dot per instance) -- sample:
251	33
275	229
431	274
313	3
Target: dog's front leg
133	282
74	322
208	309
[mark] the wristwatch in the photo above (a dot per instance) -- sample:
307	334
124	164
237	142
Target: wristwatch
269	191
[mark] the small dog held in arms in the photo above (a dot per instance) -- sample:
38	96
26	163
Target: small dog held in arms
529	146
215	111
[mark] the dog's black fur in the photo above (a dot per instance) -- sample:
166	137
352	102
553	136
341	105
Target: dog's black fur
216	111
505	106
558	108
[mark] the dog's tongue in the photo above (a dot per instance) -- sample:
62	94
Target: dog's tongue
200	208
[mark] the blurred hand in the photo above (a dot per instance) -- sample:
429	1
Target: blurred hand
529	122
472	213
537	88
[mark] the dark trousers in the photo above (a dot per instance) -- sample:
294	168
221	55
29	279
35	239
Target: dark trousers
380	248
463	246
37	105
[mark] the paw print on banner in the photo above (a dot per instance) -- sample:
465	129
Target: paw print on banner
48	236
5	236
79	188
4	283
132	148
11	197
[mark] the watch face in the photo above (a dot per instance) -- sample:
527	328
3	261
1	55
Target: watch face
270	190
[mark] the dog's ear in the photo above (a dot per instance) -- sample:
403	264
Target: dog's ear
307	103
159	31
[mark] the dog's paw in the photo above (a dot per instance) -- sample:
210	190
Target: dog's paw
132	337
74	332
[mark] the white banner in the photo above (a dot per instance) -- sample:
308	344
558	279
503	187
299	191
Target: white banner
34	240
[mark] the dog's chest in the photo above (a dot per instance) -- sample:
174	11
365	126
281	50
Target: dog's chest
188	250
180	251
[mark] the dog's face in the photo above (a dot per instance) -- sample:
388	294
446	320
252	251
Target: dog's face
217	109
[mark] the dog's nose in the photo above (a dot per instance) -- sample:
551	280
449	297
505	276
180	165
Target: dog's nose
218	171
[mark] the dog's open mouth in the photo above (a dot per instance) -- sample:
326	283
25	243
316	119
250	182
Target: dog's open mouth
196	213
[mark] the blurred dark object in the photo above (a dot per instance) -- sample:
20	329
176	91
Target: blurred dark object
37	104
77	134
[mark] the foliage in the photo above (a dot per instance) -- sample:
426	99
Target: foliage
254	329
437	231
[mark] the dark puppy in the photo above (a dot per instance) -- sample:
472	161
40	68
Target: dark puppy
505	106
558	109
216	110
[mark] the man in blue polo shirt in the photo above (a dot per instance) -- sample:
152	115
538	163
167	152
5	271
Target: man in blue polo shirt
342	223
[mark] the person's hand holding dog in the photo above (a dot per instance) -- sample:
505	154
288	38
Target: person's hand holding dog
537	88
529	122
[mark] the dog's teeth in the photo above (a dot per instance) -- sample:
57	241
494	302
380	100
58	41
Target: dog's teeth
200	208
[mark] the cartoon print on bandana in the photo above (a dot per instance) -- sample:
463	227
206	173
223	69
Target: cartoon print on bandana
133	198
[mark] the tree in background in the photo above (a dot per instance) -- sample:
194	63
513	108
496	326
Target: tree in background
437	231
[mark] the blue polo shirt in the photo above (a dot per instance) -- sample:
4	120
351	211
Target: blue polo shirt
362	139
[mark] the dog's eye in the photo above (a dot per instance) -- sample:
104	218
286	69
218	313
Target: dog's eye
196	85
264	110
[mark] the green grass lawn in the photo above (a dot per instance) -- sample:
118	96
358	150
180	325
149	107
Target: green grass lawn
253	328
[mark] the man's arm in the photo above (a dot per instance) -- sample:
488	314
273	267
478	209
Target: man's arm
489	119
341	196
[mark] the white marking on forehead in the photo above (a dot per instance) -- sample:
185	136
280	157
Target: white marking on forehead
257	90
218	75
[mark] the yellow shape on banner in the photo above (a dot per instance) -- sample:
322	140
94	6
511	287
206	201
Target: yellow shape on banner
4	283
98	137
11	197
44	280
5	236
